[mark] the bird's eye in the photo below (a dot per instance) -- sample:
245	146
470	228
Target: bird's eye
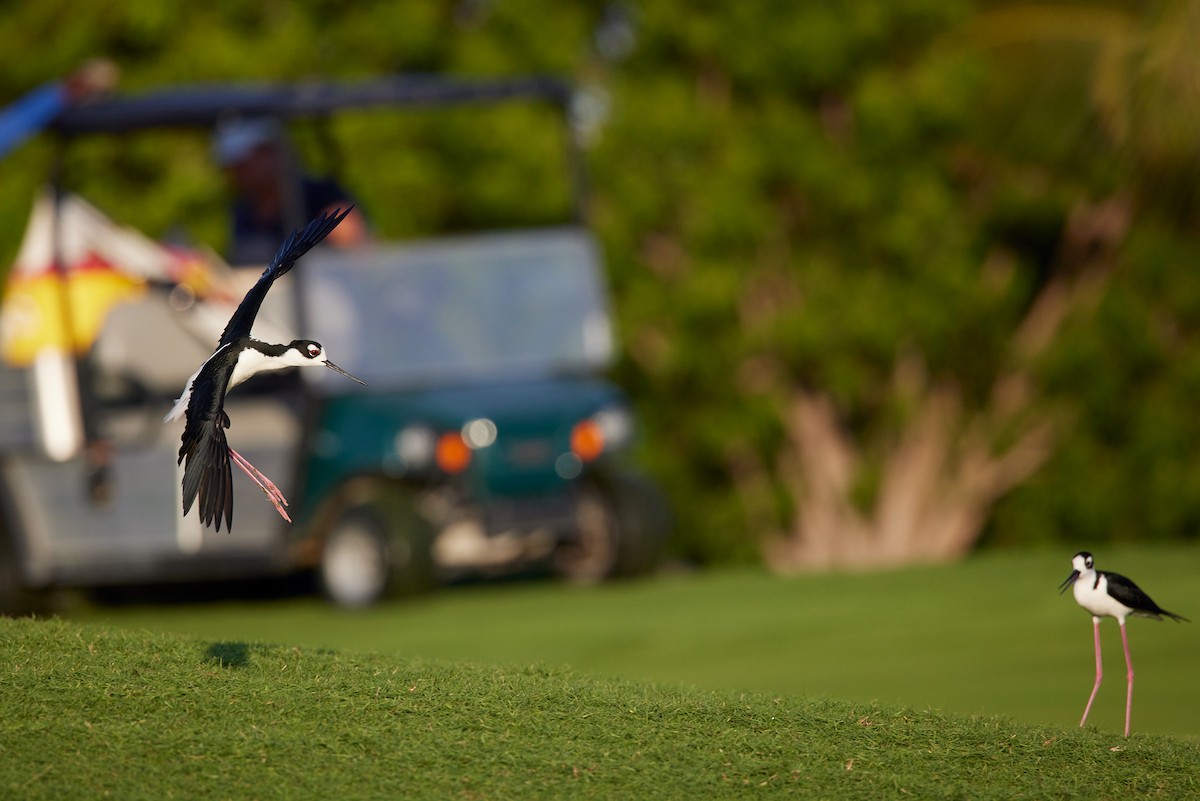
313	351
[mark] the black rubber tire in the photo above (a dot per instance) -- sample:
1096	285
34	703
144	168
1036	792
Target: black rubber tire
591	555
623	524
377	549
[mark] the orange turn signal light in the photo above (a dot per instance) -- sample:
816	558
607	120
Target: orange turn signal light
587	440
452	453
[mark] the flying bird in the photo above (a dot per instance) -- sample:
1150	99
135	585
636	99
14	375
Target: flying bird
204	452
1106	594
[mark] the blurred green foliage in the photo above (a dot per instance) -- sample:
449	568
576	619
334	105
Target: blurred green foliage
789	194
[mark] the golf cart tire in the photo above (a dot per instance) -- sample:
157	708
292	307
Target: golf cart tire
623	528
373	551
643	522
591	555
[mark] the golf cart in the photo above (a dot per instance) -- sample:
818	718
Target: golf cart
486	442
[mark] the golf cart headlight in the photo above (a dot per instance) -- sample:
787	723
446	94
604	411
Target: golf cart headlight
616	423
415	447
479	433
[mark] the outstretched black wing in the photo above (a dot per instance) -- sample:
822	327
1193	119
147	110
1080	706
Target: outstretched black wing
1130	594
294	246
204	451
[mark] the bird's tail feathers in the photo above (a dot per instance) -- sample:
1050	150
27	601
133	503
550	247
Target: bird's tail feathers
206	477
1159	614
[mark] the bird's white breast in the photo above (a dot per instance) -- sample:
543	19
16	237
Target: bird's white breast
1093	596
250	362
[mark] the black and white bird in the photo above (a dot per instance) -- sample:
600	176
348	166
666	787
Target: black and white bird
205	453
1106	594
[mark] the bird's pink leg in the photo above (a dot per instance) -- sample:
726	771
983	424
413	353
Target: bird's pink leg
265	484
1099	671
1128	677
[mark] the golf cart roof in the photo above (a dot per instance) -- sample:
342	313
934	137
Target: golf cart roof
203	105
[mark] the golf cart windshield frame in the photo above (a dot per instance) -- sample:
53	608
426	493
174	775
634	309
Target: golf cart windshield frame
205	105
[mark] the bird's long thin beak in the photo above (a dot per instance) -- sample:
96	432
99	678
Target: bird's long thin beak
1070	580
337	369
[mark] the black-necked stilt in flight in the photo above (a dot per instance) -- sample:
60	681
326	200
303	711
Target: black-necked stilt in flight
206	471
1107	594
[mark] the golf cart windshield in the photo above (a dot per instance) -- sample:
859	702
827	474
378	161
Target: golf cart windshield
513	305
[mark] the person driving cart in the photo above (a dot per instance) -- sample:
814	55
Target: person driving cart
253	154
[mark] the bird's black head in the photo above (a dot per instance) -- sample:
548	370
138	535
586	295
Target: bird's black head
315	354
307	348
1079	562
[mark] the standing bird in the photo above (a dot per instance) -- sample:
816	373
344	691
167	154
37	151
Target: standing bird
1110	594
205	453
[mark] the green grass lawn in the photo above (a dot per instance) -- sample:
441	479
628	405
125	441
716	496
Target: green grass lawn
91	711
990	636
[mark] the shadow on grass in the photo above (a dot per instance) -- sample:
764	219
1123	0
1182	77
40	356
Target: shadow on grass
228	654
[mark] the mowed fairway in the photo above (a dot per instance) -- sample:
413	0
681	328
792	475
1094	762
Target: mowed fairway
990	636
93	711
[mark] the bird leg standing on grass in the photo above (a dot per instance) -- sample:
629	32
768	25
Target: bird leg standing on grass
204	452
1106	594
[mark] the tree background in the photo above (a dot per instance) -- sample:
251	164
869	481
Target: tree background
893	278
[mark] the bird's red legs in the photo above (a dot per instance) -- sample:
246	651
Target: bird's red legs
1099	670
265	484
1128	677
